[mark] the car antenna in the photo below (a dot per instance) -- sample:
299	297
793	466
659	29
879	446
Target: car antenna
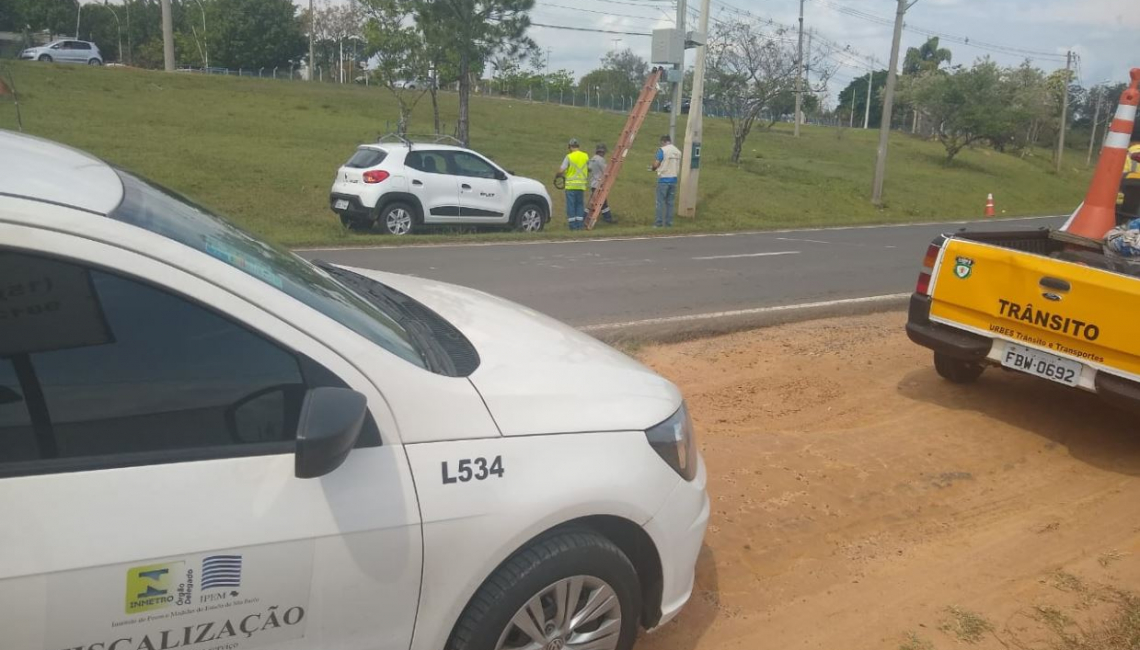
9	88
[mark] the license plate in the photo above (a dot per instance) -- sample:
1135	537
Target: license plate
1042	364
341	204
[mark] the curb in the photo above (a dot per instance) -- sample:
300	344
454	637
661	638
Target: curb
671	329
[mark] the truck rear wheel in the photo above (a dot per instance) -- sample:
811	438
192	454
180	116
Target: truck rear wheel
957	370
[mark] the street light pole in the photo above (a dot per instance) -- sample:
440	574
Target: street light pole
205	40
78	12
312	26
799	73
888	107
167	37
120	28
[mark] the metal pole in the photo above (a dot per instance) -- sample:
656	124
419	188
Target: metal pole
1095	123
691	157
851	116
78	12
1064	113
867	112
679	87
312	26
799	73
888	107
205	43
167	37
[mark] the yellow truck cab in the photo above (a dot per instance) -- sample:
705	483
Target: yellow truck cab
1018	300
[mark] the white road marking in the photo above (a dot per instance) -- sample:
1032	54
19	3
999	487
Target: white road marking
695	235
730	257
666	320
810	241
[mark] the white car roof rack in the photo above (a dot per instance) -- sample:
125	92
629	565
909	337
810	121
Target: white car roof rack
411	140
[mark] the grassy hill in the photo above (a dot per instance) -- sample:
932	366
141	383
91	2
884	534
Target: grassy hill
264	152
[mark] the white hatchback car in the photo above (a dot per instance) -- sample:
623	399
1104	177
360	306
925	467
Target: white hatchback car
65	51
207	443
400	186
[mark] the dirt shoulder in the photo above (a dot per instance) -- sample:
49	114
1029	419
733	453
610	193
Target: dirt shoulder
859	501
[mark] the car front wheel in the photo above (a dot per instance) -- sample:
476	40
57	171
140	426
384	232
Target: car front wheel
46	58
397	219
531	218
570	589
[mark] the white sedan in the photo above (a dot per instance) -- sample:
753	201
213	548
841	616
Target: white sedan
208	443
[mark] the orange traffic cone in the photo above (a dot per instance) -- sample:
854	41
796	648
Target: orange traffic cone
990	205
1097	215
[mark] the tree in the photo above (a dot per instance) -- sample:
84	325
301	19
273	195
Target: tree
857	89
398	47
747	70
968	105
474	30
256	33
926	58
622	75
336	30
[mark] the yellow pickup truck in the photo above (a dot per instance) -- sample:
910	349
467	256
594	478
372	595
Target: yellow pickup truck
1018	300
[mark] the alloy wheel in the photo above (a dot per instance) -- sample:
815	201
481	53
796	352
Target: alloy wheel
576	613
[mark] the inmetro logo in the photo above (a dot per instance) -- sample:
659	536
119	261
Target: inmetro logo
151	587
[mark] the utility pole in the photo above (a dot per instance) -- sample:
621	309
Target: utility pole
888	107
78	13
867	110
312	27
679	87
167	37
691	156
851	113
799	73
1064	112
1096	121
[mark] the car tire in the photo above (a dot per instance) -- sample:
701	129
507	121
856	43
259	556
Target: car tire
46	58
397	218
957	371
94	62
559	564
354	225
531	217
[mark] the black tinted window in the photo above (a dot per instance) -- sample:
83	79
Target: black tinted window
431	162
469	165
79	45
96	365
364	158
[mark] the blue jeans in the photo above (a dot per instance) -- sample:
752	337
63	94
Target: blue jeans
666	194
576	209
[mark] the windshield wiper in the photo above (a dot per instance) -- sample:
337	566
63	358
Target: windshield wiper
391	303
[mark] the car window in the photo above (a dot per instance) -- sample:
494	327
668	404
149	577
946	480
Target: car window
466	164
165	213
431	162
96	365
80	45
366	157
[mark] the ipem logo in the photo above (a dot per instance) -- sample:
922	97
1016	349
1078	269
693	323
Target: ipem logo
152	586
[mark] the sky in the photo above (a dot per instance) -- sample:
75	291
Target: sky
1104	34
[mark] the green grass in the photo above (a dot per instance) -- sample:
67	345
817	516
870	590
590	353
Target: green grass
264	153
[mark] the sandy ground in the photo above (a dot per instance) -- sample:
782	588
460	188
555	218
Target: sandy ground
857	497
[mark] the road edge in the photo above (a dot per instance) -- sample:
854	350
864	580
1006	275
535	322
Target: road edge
671	329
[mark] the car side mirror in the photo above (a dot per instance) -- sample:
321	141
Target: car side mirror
330	423
500	175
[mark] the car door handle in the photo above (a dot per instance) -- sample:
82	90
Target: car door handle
1056	284
420	183
465	186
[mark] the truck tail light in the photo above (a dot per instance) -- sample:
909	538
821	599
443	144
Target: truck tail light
375	176
923	284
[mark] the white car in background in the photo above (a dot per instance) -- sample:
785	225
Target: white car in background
400	187
65	51
207	442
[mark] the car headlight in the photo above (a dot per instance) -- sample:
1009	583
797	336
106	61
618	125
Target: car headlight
675	442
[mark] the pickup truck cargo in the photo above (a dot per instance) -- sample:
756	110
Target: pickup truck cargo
1018	300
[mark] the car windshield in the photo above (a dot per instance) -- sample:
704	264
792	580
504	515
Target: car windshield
163	212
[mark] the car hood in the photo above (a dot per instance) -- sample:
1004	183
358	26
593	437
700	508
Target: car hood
538	375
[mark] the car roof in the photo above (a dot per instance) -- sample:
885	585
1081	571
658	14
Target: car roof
400	146
42	170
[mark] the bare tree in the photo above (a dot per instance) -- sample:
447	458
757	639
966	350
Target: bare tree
750	67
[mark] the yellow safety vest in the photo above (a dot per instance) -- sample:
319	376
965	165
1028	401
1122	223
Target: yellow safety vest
1131	167
576	172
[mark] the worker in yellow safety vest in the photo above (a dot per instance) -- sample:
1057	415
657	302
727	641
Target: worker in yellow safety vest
1130	181
575	172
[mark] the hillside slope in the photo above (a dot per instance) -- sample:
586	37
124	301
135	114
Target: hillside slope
264	152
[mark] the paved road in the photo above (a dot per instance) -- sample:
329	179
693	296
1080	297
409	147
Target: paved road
619	284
